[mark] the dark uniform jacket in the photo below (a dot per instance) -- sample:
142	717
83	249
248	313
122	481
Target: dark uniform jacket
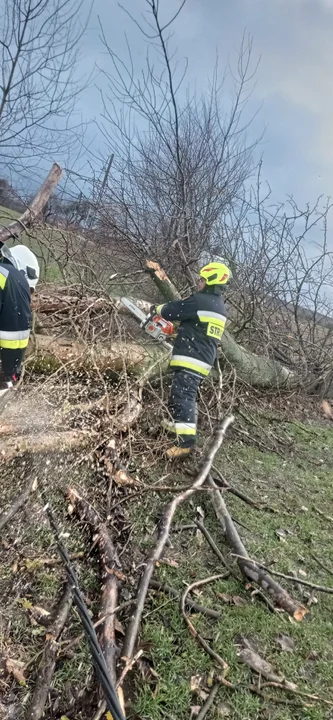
15	318
202	319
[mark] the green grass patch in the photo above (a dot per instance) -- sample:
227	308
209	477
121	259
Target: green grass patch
294	487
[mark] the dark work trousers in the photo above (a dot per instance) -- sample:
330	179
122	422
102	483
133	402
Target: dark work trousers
183	408
11	362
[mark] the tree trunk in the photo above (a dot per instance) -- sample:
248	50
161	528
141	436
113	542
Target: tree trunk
51	353
256	370
15	228
65	441
253	369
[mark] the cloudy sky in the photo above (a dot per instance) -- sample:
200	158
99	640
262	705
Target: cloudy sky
294	81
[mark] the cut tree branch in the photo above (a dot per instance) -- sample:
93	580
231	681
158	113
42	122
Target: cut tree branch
249	568
109	599
51	353
165	525
292	578
50	655
195	607
19	501
38	203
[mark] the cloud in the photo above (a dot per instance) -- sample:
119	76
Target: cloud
294	85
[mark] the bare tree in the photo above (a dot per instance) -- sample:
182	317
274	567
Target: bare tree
179	160
39	41
281	297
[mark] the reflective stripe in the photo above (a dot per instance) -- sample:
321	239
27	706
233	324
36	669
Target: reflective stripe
190	363
14	335
212	317
185	428
180	428
16	340
3	277
159	309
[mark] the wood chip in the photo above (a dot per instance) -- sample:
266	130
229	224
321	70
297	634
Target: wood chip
15	668
285	642
259	665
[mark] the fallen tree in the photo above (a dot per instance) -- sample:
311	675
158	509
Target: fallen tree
48	353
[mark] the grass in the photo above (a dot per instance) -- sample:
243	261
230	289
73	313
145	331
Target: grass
47	243
294	487
66	258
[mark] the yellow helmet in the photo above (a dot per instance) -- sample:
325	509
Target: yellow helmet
215	273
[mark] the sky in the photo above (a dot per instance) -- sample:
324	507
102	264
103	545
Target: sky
293	93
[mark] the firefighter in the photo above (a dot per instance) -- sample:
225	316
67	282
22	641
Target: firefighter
202	319
19	274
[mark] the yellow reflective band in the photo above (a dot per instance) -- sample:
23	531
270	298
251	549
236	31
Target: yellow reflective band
159	309
213	320
14	344
186	431
180	428
190	366
3	280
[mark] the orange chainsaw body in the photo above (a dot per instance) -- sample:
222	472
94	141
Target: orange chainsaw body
157	326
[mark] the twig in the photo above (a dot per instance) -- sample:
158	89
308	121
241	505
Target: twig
193	631
257	442
269	698
209	702
155	555
214	547
50	655
19	501
260	594
129	665
330	572
295	580
249	568
33	562
161	587
110	586
68	645
100	710
181	528
222	482
308	696
322	514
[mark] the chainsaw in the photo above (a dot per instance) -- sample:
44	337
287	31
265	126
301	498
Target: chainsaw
154	325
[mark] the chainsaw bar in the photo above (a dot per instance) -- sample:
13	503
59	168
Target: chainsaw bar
144	320
134	310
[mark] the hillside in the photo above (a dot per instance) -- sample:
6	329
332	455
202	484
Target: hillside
283	465
220	610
